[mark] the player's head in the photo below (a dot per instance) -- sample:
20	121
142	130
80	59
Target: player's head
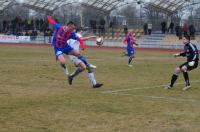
186	39
79	29
70	26
130	33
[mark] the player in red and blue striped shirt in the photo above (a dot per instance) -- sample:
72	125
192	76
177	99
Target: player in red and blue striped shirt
62	34
130	41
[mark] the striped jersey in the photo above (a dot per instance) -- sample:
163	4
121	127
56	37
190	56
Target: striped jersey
60	36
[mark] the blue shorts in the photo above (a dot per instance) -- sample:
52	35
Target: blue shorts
60	51
130	51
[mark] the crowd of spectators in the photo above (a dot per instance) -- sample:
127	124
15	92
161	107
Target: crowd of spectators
25	27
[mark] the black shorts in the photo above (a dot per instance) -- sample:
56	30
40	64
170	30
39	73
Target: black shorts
189	68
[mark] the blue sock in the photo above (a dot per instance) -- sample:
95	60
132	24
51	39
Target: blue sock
129	60
78	70
82	58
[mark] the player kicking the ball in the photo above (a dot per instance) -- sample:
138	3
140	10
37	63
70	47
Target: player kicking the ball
78	63
191	52
60	38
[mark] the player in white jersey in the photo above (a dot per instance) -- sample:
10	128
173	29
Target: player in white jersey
78	63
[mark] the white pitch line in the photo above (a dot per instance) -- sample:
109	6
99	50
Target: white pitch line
130	89
158	97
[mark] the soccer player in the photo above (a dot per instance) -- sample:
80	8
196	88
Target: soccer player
192	54
78	63
130	41
62	34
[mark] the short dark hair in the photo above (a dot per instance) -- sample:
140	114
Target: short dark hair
78	29
70	23
187	37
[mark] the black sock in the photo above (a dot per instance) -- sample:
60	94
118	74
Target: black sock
186	77
174	78
129	60
63	66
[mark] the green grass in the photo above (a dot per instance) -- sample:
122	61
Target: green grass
35	95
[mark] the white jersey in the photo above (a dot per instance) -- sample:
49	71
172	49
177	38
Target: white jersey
75	44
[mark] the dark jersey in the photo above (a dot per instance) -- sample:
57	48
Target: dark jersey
191	52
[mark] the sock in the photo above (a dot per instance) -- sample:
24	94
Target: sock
82	58
63	66
129	60
92	78
174	78
78	70
186	77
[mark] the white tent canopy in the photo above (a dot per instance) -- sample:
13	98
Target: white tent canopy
103	5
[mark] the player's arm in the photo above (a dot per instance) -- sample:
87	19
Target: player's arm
134	43
87	38
52	21
75	37
125	40
180	54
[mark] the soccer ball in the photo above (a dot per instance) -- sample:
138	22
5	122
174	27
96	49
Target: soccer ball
99	41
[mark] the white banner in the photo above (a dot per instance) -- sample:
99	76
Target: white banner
14	39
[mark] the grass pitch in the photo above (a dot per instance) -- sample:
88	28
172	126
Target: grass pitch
35	95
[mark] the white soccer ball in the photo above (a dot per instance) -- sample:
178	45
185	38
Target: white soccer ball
99	41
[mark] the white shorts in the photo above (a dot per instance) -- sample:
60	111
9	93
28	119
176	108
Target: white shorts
75	60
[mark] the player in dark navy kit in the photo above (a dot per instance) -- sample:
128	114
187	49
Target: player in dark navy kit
192	54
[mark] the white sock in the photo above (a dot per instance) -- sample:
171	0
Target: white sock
92	78
66	71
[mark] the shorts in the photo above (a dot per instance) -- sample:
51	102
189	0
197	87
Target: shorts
130	51
189	68
74	59
60	51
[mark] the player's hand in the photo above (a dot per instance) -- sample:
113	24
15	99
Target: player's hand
176	55
82	48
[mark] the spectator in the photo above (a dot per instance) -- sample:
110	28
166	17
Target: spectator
145	29
192	31
185	29
125	30
163	27
102	26
178	32
171	28
26	34
150	26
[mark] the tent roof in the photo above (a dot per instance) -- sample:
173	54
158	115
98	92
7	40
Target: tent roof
103	5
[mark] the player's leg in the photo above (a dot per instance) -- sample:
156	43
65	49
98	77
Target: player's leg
60	57
130	55
130	59
80	68
190	66
79	56
186	77
174	78
92	78
79	63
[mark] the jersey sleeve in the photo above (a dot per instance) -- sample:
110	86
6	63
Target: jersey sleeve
186	50
57	26
74	36
125	40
